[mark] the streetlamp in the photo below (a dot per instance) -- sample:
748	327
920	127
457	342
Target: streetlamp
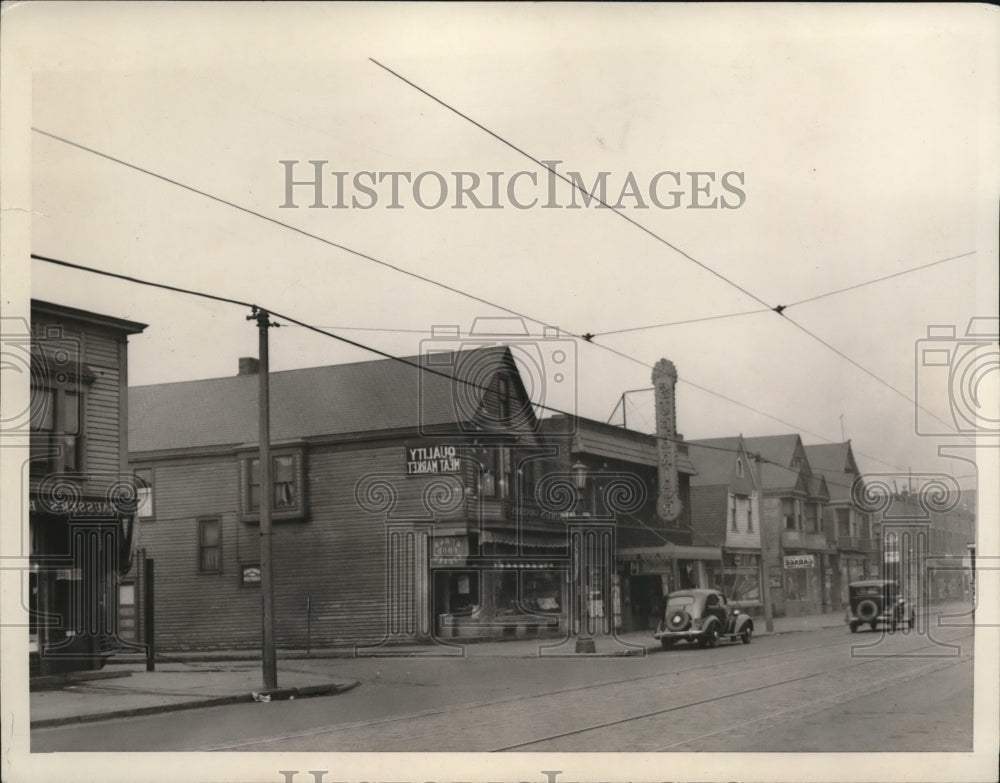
584	641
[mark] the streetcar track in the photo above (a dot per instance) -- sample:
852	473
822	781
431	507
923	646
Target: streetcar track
837	698
700	702
510	699
784	655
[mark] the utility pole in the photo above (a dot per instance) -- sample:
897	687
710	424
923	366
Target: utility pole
765	575
270	661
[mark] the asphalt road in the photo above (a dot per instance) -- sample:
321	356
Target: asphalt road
825	690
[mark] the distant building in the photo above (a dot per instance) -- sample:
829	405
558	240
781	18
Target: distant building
847	524
801	559
81	497
725	505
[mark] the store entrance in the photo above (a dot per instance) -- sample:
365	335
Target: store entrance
645	601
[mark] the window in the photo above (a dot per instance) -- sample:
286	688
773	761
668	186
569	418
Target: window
812	517
55	430
285	495
788	511
209	546
144	489
494	476
749	516
504	408
739	467
732	511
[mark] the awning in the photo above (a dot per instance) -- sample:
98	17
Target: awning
515	538
672	551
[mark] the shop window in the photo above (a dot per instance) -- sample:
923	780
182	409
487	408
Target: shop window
210	546
144	490
56	438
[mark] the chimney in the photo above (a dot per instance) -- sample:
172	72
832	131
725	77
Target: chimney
668	504
249	365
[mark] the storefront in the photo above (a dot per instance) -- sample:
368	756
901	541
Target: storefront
740	579
76	559
507	585
803	579
646	574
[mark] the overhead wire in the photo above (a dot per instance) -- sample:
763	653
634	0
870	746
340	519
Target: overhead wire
614	210
452	289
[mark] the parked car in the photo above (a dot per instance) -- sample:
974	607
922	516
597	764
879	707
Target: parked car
702	616
875	601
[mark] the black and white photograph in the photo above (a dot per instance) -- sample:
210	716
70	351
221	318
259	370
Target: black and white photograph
483	392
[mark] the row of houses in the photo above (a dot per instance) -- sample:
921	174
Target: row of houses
424	498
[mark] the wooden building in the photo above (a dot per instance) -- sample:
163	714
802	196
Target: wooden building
726	513
404	505
81	498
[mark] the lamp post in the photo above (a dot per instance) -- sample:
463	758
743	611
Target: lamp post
584	641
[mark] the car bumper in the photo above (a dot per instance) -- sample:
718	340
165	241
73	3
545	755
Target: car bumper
692	633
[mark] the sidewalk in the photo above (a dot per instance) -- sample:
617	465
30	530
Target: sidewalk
189	680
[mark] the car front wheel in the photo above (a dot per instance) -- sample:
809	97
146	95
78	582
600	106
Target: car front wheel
747	635
710	639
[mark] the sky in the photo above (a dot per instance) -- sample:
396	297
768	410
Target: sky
858	143
853	147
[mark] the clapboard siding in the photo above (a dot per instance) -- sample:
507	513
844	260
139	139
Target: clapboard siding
709	508
329	569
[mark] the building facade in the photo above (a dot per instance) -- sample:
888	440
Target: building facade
847	524
410	501
726	514
616	470
801	560
81	496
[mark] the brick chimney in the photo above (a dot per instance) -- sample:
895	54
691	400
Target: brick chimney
249	365
668	504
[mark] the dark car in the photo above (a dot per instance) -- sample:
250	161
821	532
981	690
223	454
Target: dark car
875	601
702	616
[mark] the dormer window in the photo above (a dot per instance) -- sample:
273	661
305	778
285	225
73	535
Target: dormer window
739	467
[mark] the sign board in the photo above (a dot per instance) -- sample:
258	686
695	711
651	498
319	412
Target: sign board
250	575
892	556
449	550
431	460
800	561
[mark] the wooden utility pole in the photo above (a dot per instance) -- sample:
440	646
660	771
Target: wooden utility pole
765	574
270	660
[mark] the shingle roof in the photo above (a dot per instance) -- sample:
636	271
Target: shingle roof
714	459
778	452
835	462
315	401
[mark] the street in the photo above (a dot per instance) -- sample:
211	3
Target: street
823	690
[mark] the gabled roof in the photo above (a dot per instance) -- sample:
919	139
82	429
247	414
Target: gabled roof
778	452
715	460
835	462
318	401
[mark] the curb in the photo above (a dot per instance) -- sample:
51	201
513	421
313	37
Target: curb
281	694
